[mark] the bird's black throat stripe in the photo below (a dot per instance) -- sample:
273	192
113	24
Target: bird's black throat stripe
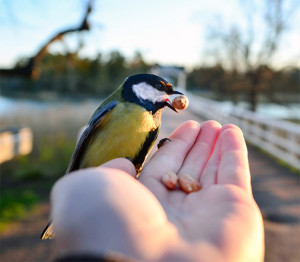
140	157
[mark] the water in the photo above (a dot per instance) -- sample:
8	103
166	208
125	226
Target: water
269	110
9	104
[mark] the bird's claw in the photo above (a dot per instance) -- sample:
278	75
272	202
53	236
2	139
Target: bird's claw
162	142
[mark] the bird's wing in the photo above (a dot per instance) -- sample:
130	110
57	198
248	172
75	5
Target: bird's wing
80	148
88	134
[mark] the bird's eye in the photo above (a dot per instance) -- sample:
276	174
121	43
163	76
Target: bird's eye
159	87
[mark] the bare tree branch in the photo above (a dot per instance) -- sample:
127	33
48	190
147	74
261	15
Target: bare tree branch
30	68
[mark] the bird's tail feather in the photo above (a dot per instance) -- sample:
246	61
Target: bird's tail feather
48	231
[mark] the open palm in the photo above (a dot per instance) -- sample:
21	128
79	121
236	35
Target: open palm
223	212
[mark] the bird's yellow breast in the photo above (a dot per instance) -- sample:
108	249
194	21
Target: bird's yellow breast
121	133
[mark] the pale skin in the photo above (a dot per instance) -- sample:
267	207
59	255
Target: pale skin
106	210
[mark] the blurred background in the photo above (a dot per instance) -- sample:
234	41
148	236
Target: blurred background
238	62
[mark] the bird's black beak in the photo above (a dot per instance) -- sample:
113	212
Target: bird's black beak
174	92
167	103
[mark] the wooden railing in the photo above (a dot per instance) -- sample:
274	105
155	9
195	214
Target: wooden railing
14	142
277	137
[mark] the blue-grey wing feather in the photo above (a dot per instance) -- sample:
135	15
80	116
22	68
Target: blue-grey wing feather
87	135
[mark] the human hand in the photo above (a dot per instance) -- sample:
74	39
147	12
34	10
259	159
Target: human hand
144	220
222	217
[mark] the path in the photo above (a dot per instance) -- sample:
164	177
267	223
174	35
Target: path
275	188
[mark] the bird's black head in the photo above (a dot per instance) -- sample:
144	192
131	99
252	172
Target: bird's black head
149	91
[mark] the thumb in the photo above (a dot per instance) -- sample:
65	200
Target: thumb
122	164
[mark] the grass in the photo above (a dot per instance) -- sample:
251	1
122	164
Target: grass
279	161
15	205
20	200
296	121
27	180
55	130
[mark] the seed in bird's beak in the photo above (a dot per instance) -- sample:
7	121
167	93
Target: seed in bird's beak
180	102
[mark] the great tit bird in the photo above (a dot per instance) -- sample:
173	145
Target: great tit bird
126	124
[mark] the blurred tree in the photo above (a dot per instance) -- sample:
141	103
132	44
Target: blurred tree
116	68
285	81
138	64
217	81
73	75
245	49
207	78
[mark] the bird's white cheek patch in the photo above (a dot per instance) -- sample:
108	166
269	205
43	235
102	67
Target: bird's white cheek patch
147	92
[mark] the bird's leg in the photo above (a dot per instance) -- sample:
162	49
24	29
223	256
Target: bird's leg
162	142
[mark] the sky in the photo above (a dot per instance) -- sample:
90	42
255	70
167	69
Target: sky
170	32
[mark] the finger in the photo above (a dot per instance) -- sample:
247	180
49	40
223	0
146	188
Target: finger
208	176
171	155
200	152
122	164
234	166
